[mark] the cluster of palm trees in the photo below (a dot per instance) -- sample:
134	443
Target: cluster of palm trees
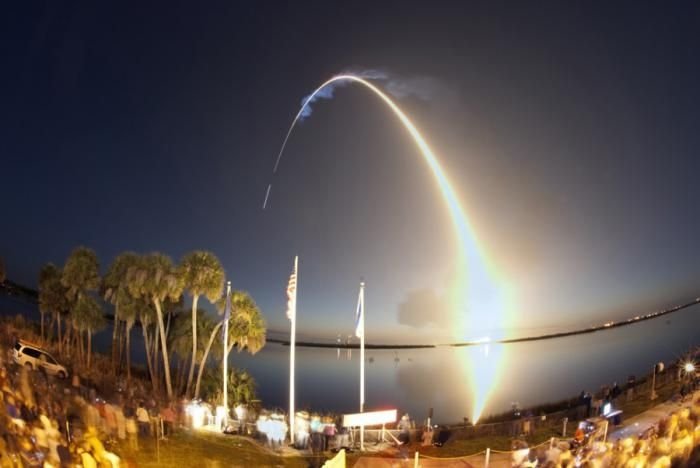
148	291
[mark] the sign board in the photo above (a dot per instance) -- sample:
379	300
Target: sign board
372	418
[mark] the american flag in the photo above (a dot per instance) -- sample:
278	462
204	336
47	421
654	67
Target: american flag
292	295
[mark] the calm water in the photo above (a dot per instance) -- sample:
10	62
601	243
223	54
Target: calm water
415	380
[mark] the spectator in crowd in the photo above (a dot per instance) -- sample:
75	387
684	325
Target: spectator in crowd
144	420
168	416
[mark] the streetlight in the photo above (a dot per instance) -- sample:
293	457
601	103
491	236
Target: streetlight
689	368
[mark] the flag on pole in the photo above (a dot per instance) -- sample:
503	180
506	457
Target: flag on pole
292	295
292	316
359	328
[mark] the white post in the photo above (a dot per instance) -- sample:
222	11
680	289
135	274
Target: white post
563	431
653	384
362	362
488	458
292	346
415	460
228	294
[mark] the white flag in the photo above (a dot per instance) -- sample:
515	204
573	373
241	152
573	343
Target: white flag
292	295
359	325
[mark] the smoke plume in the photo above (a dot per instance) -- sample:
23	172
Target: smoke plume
424	88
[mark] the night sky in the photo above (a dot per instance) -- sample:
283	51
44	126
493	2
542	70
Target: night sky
570	132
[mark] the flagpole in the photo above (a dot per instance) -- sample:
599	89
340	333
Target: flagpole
292	345
362	362
226	320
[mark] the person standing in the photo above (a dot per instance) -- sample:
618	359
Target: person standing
131	429
121	422
143	419
110	421
168	415
75	383
404	430
615	392
427	436
329	431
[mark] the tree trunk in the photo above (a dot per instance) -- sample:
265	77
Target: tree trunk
81	341
69	335
180	376
60	343
195	299
42	325
128	351
164	348
147	345
49	329
89	346
155	341
115	329
121	339
203	362
167	326
79	345
183	377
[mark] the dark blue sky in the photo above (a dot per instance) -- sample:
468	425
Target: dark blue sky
569	131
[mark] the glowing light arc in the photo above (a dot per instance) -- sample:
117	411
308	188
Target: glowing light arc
455	209
472	274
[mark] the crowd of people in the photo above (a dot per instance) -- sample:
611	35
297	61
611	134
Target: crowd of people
319	433
49	422
52	422
673	441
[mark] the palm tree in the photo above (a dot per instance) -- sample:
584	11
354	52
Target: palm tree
130	309
52	297
145	317
155	278
81	273
114	285
180	341
88	318
202	364
203	275
242	386
247	329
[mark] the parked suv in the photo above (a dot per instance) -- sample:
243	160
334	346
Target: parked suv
34	357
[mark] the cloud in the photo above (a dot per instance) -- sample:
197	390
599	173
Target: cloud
423	308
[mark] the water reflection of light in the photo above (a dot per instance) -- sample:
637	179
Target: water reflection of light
481	305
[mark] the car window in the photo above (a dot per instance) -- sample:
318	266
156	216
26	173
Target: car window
31	352
18	346
49	359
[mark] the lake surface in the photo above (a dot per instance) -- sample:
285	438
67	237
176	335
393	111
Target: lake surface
415	380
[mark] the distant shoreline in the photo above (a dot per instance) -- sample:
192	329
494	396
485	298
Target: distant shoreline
549	336
29	295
